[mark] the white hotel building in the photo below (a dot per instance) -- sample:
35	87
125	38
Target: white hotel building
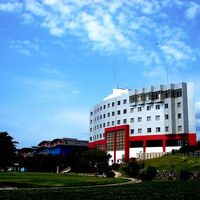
154	119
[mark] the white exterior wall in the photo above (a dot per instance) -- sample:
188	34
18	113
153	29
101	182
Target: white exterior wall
119	156
133	151
169	149
111	160
154	149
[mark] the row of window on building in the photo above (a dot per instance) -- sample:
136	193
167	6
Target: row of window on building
139	119
139	109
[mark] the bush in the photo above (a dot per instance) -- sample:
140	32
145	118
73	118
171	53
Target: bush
110	174
115	166
184	175
149	174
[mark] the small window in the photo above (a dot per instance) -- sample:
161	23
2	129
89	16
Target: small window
108	105
90	121
97	136
125	101
179	115
104	106
148	107
100	116
108	114
166	128
125	121
100	135
132	110
118	103
113	113
113	123
132	131
148	118
104	115
118	112
90	129
104	124
101	108
157	107
139	119
118	122
91	113
157	117
166	117
132	120
125	111
166	105
108	124
179	104
90	138
179	128
139	130
97	109
158	129
148	130
100	125
113	104
139	109
97	126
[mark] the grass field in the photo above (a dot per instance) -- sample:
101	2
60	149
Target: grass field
28	179
175	162
188	190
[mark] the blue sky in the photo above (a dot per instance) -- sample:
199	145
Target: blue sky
59	57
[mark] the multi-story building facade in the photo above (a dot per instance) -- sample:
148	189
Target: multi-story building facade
153	119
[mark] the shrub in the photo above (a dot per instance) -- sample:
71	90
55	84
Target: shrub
184	175
115	166
149	174
110	174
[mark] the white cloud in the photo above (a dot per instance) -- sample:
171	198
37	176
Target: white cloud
8	7
25	52
192	11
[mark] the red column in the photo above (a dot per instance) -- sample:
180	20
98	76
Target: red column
192	139
127	144
114	146
164	145
144	146
104	140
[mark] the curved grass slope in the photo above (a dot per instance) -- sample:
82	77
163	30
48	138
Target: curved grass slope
175	162
34	179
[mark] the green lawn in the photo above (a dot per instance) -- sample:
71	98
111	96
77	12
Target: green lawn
175	162
188	190
34	179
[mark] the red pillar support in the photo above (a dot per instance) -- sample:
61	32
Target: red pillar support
114	146
105	141
164	145
127	144
144	146
192	139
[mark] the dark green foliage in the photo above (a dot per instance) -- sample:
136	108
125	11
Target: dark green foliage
184	175
149	174
110	174
115	166
187	148
7	151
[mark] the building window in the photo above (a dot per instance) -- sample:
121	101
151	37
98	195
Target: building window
108	124
100	125
101	108
104	106
139	130
148	107
166	105
90	129
179	128
104	115
97	136
104	124
179	104
118	103
157	117
90	121
132	120
148	118
97	109
166	117
113	113
90	138
118	122
166	128
108	105
125	111
158	129
108	114
97	126
132	131
139	119
113	123
125	101
125	121
91	113
139	109
179	115
132	110
118	112
148	130
100	116
157	107
100	135
113	104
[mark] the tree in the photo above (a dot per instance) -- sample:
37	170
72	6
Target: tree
7	150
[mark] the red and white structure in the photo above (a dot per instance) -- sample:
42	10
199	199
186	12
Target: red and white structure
146	120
